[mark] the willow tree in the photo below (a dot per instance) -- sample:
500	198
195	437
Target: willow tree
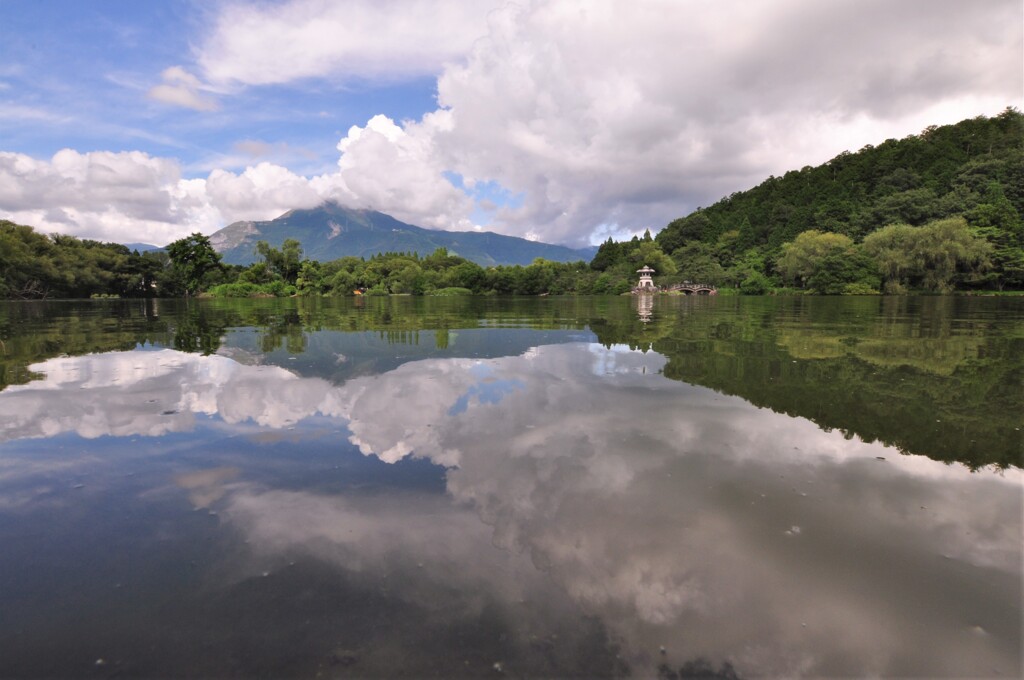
802	257
930	256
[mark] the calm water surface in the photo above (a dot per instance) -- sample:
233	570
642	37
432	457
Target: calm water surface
736	487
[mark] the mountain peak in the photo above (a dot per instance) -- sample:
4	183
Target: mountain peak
330	231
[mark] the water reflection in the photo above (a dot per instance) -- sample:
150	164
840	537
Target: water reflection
667	508
942	377
644	307
155	393
558	508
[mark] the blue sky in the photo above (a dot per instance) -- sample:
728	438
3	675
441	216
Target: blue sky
79	73
562	120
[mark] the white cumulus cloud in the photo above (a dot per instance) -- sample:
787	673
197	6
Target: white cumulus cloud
101	194
278	43
259	191
132	196
397	170
181	88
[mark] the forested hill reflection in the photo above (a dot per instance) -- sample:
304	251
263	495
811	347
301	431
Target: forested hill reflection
279	328
938	376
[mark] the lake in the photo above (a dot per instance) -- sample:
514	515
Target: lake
658	487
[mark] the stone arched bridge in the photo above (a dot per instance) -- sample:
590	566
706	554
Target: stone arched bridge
687	288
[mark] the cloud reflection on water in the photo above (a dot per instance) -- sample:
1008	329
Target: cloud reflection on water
666	510
154	393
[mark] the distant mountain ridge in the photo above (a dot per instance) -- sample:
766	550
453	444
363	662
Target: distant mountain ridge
331	231
141	247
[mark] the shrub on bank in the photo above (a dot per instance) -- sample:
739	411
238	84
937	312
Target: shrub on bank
756	283
859	289
452	291
245	289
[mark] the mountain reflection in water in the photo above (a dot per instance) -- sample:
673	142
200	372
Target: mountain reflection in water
527	488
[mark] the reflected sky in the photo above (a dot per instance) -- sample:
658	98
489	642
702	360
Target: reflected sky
562	509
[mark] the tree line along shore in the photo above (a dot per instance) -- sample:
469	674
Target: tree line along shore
937	212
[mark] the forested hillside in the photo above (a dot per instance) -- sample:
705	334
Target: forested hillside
966	180
34	265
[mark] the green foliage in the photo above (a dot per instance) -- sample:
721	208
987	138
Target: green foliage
755	283
802	258
694	227
281	289
310	279
285	262
34	265
195	265
859	289
613	269
608	255
698	262
890	247
240	289
243	289
450	292
929	257
258	273
827	264
745	265
648	253
999	223
848	272
973	170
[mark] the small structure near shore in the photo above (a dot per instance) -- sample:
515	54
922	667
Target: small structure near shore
646	282
646	285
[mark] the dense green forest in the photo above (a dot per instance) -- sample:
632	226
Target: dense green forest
934	212
34	265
